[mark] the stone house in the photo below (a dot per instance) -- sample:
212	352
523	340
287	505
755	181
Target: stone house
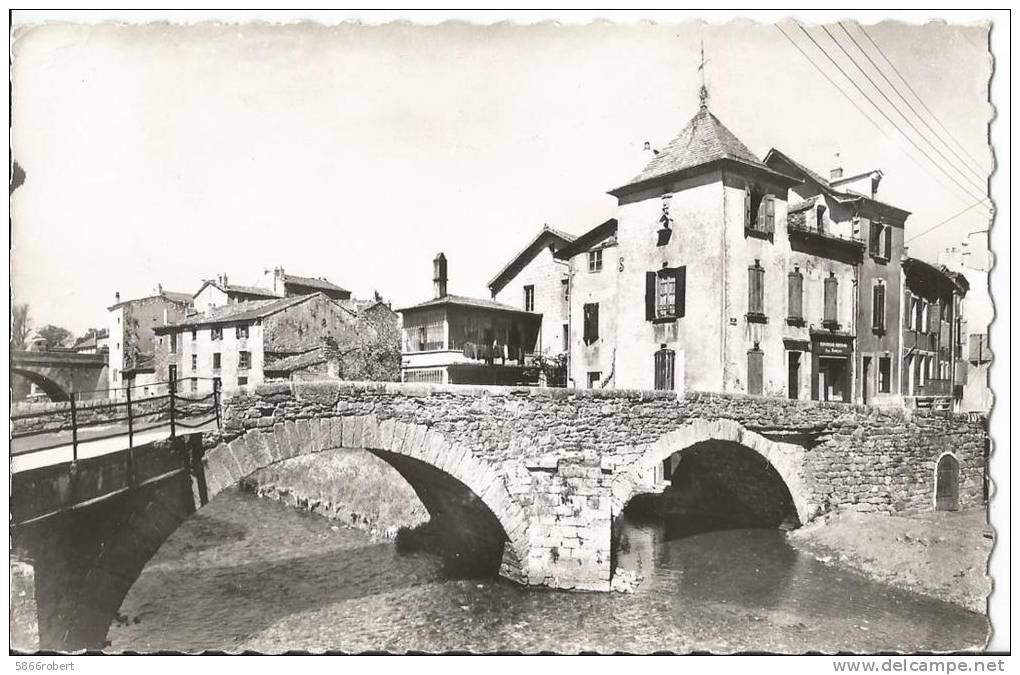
132	339
248	342
452	339
723	272
285	285
536	281
933	336
218	292
840	224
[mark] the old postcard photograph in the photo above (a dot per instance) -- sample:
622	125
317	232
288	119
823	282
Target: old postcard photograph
415	333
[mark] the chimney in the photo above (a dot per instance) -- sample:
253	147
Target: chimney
836	172
648	145
116	297
876	178
278	286
439	276
159	289
224	282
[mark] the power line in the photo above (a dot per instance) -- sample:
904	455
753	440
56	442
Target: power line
857	65
903	98
919	99
943	222
882	112
853	102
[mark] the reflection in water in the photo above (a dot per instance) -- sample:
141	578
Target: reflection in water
294	582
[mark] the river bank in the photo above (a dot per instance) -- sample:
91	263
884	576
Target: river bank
942	555
351	486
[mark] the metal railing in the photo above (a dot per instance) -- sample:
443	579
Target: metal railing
128	417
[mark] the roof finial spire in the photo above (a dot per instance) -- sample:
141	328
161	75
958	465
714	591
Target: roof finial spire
703	90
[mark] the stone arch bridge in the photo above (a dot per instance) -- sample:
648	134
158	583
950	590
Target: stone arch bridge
528	479
58	373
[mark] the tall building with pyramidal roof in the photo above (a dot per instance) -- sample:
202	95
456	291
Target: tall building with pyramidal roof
703	282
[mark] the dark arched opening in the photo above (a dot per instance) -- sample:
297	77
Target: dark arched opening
708	486
947	484
53	390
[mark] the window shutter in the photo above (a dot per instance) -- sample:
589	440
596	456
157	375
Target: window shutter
830	299
878	307
755	275
876	232
933	318
747	207
796	293
887	233
595	321
649	296
770	213
680	274
754	372
664	364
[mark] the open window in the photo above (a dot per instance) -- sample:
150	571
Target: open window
759	212
591	322
880	241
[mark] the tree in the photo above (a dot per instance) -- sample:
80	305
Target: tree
55	336
21	325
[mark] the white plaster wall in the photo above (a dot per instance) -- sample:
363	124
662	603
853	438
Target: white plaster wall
546	274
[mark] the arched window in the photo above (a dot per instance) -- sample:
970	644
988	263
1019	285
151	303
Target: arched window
947	484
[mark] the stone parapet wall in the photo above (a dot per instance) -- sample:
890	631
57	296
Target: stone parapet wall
53	416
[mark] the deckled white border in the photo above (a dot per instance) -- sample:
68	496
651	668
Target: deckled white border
1001	286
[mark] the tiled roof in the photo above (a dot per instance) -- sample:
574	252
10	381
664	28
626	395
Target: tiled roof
297	361
241	290
240	311
463	301
704	140
181	298
310	282
836	193
546	235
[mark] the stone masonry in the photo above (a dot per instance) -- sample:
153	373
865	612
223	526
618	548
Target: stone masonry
553	467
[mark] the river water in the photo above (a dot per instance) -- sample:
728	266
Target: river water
252	574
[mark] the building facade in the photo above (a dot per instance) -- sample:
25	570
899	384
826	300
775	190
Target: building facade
839	221
722	272
132	339
934	362
452	339
285	285
241	344
535	280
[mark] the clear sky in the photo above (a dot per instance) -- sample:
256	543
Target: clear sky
168	154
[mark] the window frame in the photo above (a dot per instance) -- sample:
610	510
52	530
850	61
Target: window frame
217	361
830	321
878	324
216	333
756	314
529	298
665	369
595	261
795	319
241	331
591	309
244	359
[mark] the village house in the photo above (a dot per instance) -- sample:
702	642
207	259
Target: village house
217	292
536	281
95	342
132	339
246	343
934	363
721	272
839	220
285	285
452	339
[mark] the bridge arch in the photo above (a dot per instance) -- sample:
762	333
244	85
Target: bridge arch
467	496
785	459
52	389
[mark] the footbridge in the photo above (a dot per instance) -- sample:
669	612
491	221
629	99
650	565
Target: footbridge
528	480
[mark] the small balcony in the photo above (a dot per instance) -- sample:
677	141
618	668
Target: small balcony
810	235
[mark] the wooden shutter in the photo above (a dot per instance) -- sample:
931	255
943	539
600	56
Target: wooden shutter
770	213
887	240
873	241
934	317
664	365
650	295
878	307
755	291
747	207
796	293
831	287
754	372
680	274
